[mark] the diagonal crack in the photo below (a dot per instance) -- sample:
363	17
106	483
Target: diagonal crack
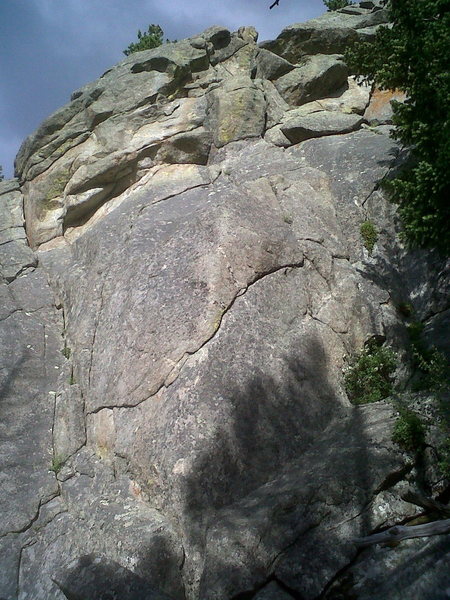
94	336
170	379
33	519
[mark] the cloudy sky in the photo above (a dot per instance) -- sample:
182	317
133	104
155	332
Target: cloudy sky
49	48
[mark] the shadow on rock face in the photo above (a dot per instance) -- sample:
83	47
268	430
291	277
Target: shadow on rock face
97	577
271	422
262	504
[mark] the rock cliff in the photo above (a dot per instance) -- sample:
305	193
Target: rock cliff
183	281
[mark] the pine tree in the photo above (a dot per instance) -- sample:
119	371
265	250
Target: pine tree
413	55
152	38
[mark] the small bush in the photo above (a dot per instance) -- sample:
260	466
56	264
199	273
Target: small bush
409	431
369	235
57	464
66	352
432	364
369	377
336	4
435	368
406	309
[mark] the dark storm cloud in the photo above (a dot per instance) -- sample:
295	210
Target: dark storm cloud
52	47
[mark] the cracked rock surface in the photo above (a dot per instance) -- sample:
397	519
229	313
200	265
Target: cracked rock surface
178	312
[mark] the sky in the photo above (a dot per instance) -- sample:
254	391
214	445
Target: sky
49	48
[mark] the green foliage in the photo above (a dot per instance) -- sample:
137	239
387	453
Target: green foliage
409	431
429	362
66	352
288	219
335	4
435	368
369	235
152	38
444	462
414	56
369	377
406	309
2	177
57	464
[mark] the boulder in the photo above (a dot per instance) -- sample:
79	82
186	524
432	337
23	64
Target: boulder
317	77
352	98
330	33
270	66
317	124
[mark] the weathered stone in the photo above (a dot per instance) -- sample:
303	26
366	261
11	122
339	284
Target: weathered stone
248	34
75	186
237	111
15	257
69	431
379	110
353	10
192	147
11	211
272	591
276	136
222	44
175	357
415	568
317	124
96	577
330	33
270	66
241	548
317	77
276	106
367	34
353	99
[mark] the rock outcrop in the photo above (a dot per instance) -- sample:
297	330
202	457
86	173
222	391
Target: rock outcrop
178	315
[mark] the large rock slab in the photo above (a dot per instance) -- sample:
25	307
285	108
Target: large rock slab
184	326
287	529
191	446
30	364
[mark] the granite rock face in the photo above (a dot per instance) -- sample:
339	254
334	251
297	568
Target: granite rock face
178	311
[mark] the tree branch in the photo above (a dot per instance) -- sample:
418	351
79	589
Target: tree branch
427	503
402	532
